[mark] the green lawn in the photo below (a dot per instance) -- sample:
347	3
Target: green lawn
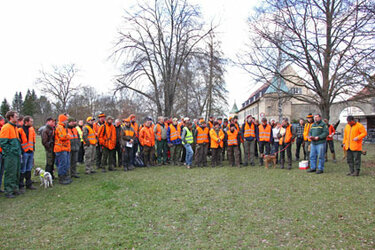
173	207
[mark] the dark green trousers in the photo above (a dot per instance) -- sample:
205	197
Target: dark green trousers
108	158
354	160
176	153
162	149
12	165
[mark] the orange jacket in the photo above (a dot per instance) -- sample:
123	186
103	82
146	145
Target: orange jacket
147	137
96	127
331	131
202	135
107	136
356	131
215	137
232	138
136	128
306	131
62	139
287	136
27	144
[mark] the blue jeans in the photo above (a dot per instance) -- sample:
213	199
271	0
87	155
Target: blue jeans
63	162
1	169
189	154
27	162
317	151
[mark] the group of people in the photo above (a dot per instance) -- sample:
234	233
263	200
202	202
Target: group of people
107	143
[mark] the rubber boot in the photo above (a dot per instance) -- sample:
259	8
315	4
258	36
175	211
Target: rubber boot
334	157
356	172
21	183
29	183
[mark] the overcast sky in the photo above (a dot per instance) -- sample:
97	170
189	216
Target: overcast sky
36	34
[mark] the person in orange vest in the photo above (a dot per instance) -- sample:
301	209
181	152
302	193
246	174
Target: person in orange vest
147	140
329	142
202	139
2	122
233	152
128	138
249	133
62	150
136	129
265	139
286	137
352	142
90	143
174	141
306	131
211	120
75	142
234	120
107	140
99	148
160	130
11	149
217	137
27	136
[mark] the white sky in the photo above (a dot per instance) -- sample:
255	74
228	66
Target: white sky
36	34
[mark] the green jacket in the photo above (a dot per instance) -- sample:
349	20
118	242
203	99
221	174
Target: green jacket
9	140
319	129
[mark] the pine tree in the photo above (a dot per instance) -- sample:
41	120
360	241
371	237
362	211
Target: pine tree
17	102
29	105
5	107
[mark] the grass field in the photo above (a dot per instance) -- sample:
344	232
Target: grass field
173	207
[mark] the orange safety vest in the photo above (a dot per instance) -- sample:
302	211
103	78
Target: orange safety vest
287	137
175	133
215	137
73	133
249	131
136	128
264	133
202	135
1	150
91	137
331	131
107	139
27	144
147	137
232	138
62	139
158	131
306	131
128	131
356	131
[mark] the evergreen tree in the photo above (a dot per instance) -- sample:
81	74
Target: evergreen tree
29	105
17	102
5	107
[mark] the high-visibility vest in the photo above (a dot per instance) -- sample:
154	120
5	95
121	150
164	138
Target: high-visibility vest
136	128
215	137
249	130
189	136
62	139
356	131
287	137
306	131
264	133
91	137
174	133
202	135
232	137
27	144
73	133
128	131
158	131
80	133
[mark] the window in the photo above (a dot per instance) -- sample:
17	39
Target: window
296	91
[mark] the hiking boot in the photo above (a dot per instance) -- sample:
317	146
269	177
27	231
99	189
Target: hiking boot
125	169
356	173
319	172
21	190
311	170
10	195
350	174
31	187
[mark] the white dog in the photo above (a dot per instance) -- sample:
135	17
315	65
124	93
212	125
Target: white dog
45	177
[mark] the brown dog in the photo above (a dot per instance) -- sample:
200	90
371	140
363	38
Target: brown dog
269	159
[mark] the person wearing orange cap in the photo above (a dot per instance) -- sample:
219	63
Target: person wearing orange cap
62	150
99	148
107	140
90	143
11	149
127	142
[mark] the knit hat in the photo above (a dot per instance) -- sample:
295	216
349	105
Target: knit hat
71	119
62	118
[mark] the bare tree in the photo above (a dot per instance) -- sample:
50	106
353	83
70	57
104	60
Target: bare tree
331	43
157	41
59	85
